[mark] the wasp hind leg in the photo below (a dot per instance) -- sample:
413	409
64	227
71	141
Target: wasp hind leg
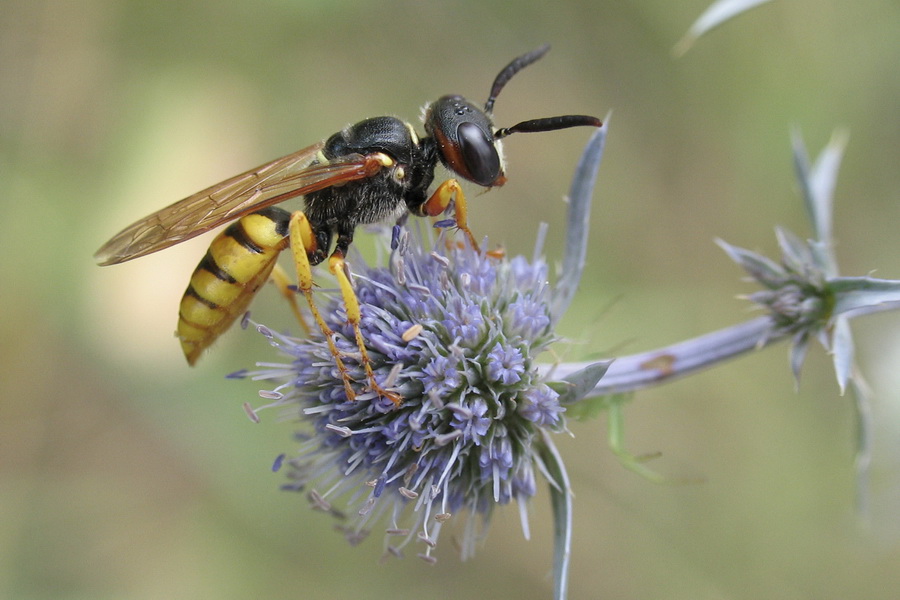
289	292
304	244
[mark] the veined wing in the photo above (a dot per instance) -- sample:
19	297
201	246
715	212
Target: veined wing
271	183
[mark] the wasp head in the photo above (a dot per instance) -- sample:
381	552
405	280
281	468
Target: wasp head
465	140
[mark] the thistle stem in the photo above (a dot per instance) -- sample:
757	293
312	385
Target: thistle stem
639	371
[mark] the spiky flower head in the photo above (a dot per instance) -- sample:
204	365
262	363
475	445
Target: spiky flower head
796	293
456	333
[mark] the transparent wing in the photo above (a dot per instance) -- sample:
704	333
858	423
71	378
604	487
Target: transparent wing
271	183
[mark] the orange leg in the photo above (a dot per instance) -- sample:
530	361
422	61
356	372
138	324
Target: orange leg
447	192
450	191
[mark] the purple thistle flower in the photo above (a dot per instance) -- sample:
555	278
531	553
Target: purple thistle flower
462	440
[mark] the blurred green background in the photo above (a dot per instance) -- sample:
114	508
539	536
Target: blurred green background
126	474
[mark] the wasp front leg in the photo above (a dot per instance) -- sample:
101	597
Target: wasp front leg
447	192
303	245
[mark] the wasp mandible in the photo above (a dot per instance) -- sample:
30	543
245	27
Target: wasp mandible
368	172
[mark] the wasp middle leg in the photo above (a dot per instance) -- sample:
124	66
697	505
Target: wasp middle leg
303	245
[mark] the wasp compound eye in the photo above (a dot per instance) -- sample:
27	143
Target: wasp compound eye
478	153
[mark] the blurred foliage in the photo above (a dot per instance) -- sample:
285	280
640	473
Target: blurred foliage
125	474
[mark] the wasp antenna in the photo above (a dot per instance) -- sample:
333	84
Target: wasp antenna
511	69
549	124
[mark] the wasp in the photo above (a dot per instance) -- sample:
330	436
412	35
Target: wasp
368	172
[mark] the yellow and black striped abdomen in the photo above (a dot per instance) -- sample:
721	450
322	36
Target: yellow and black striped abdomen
237	264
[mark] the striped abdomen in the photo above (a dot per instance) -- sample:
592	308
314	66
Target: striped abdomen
237	264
